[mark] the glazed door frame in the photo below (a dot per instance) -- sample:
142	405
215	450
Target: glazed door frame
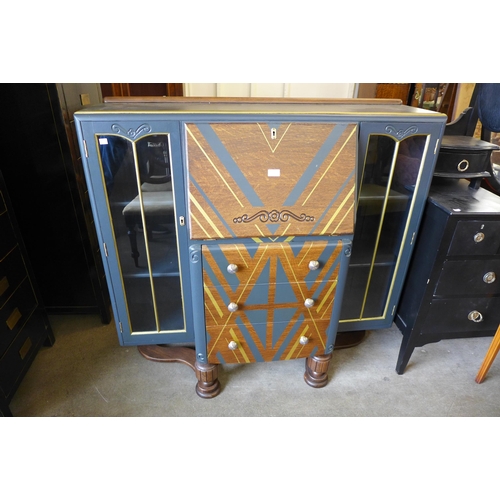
398	131
135	128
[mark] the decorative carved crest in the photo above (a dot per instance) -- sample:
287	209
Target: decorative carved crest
144	128
273	216
401	134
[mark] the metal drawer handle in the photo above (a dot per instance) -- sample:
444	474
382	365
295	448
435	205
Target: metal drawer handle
303	340
233	345
309	302
313	265
478	237
232	307
232	268
489	277
464	167
475	316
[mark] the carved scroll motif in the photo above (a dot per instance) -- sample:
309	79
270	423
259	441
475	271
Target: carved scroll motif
144	128
273	217
401	134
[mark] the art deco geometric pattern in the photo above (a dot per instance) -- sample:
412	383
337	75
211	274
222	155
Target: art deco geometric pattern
270	179
270	288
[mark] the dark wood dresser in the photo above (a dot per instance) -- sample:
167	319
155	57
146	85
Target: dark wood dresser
452	288
24	325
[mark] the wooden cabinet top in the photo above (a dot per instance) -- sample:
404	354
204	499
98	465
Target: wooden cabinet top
262	106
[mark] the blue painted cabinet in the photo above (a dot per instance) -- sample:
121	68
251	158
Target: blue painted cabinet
230	226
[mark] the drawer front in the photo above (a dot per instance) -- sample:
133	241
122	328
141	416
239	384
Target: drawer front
262	179
461	164
264	301
476	237
7	236
255	342
14	363
458	315
12	273
469	277
15	313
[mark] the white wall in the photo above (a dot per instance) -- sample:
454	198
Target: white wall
326	90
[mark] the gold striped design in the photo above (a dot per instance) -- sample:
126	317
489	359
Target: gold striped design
240	347
297	343
239	299
325	298
268	143
205	215
329	166
347	198
214	167
214	302
200	225
342	220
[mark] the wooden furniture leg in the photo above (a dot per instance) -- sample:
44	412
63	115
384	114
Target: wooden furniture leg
208	385
316	370
490	357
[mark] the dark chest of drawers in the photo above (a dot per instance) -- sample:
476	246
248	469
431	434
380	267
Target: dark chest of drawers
452	288
24	325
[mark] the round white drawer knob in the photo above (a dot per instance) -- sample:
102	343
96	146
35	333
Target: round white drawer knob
309	302
233	345
313	265
232	268
232	307
303	340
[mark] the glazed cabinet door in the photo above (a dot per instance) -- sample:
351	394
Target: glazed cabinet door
134	169
394	175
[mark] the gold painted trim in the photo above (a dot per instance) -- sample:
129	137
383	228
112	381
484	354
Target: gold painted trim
333	114
97	135
381	225
213	166
279	142
355	128
405	232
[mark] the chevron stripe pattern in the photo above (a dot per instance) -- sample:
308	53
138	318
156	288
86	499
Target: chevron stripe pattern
263	179
270	287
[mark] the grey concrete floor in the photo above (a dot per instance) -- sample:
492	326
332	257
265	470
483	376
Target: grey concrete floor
87	373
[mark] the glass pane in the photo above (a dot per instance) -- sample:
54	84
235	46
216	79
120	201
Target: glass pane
144	229
387	186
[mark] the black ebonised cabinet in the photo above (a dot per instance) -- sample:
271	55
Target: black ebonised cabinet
24	325
452	289
42	169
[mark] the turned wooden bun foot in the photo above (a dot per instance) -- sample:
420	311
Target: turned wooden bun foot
208	385
316	374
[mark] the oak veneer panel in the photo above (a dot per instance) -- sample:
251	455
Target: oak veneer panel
243	183
270	287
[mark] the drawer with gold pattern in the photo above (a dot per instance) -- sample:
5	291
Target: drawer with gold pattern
269	297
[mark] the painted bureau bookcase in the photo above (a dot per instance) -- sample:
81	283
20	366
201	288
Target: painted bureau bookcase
241	232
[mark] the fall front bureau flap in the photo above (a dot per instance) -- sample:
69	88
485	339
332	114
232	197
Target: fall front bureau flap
270	179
